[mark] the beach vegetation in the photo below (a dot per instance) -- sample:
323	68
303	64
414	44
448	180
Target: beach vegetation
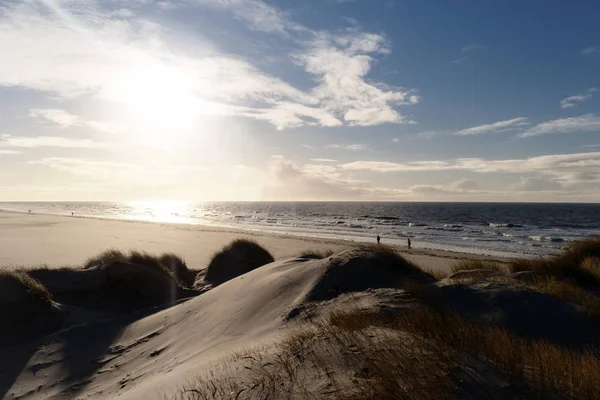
318	254
422	353
168	263
573	275
471	265
235	259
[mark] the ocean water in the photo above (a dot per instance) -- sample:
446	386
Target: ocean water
483	228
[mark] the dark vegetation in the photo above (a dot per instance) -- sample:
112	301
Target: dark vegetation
432	349
235	259
26	305
470	265
165	263
573	275
316	254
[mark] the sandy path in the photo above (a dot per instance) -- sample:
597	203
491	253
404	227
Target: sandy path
31	239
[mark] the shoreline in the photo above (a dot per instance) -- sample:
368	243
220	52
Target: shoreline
420	246
56	240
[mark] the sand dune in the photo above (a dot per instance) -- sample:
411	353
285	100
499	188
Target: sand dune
143	358
363	322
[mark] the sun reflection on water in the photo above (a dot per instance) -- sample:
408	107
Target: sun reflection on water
162	211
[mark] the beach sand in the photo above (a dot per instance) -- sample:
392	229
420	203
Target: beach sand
34	239
232	333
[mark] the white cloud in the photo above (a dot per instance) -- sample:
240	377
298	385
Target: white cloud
290	115
496	126
349	147
59	117
10	152
341	63
257	14
577	167
65	119
465	185
323	160
396	140
49	141
131	62
118	173
583	123
531	183
590	51
475	47
289	181
572	101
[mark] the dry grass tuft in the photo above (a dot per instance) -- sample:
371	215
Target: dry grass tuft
470	265
421	354
573	276
237	258
389	257
566	266
17	286
26	309
592	265
168	263
317	254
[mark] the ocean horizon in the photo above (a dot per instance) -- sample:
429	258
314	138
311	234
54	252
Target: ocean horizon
481	228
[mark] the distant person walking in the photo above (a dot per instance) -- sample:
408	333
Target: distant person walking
378	240
408	241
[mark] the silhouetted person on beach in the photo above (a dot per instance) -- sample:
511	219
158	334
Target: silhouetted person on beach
408	241
378	240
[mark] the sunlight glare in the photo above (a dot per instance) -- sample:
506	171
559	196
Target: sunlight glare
159	102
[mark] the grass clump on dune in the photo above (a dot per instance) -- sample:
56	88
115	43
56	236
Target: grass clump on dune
470	265
568	265
235	259
573	275
389	257
317	254
420	354
168	263
18	286
26	308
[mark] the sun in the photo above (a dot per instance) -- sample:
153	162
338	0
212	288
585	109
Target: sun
159	103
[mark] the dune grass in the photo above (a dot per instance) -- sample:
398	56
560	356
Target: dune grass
19	286
236	258
389	257
421	354
470	265
26	308
168	263
318	254
573	275
566	266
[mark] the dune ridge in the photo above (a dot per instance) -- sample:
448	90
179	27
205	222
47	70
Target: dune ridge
362	322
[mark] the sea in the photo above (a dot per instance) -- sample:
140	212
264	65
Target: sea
502	229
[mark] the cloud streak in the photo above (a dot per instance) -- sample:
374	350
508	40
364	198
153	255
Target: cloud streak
583	123
494	127
65	119
49	141
577	167
572	101
349	147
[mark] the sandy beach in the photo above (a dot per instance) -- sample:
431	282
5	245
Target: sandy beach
252	323
36	239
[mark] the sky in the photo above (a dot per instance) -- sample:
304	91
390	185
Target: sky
325	100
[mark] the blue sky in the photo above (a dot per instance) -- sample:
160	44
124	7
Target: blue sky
300	100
